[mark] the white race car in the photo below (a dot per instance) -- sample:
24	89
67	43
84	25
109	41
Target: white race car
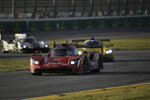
22	43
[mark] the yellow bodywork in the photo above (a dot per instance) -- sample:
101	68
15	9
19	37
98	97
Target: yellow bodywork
102	50
91	49
107	46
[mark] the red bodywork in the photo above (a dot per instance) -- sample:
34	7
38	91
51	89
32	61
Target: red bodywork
56	64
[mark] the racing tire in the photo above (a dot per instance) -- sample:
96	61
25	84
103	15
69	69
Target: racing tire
85	64
80	73
99	63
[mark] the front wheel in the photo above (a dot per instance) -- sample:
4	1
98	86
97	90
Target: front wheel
85	67
99	63
37	73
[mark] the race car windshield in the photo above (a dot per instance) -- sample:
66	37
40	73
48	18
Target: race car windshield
64	52
28	40
92	44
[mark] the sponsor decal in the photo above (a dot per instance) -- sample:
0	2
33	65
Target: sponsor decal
57	63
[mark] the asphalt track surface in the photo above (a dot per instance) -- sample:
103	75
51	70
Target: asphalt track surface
130	67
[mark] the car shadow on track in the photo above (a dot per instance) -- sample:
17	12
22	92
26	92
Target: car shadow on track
101	73
123	73
134	60
55	74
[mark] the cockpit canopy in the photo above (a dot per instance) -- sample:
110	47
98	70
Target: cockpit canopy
92	44
64	51
29	40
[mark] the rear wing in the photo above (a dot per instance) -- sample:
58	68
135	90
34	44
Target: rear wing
53	44
83	40
80	40
78	43
20	36
104	40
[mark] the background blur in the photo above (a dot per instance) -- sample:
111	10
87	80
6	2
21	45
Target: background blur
37	9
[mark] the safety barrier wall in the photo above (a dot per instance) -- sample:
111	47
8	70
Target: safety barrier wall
34	25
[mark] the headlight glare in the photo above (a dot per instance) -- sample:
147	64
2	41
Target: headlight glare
72	62
24	46
79	52
46	46
32	61
108	51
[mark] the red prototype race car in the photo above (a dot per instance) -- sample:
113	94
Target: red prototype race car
66	58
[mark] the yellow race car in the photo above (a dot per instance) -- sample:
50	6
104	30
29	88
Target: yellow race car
103	46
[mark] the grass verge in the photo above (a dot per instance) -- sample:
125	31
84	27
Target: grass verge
131	44
124	44
134	92
13	65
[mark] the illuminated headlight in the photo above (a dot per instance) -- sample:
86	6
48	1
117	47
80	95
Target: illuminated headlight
109	51
24	46
79	52
36	62
32	61
46	46
42	42
72	62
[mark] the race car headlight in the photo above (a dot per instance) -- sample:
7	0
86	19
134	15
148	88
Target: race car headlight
72	62
46	46
32	61
79	52
109	51
24	46
36	62
42	42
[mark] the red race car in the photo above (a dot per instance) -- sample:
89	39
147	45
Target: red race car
66	58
